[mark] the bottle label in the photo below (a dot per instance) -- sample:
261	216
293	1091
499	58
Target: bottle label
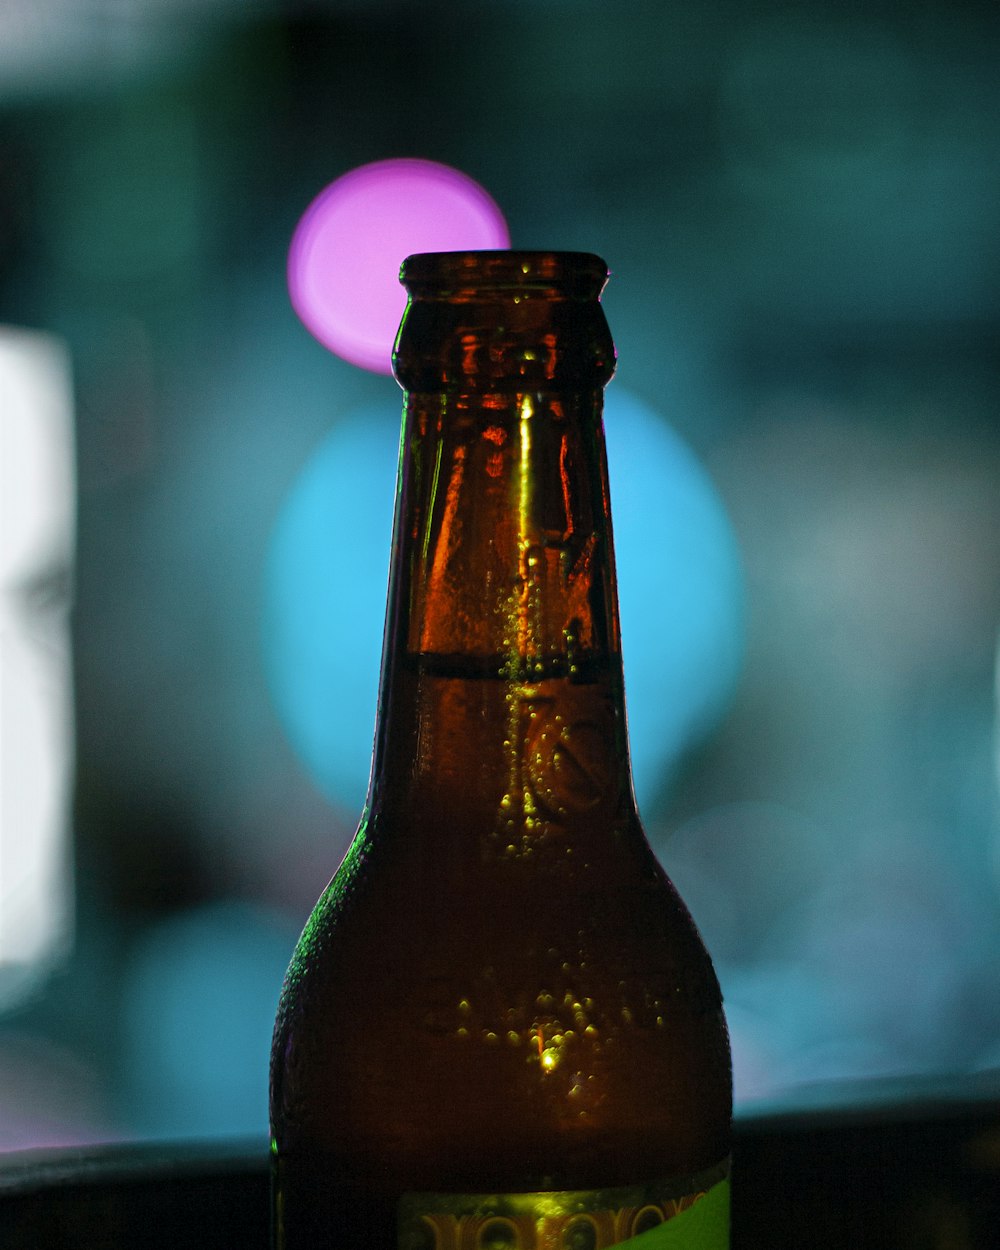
690	1215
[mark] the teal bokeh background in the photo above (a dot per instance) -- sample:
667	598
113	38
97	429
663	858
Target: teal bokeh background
800	209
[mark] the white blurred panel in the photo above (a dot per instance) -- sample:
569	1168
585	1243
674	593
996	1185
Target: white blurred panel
37	530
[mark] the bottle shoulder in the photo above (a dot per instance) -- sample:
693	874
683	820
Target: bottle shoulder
613	915
563	1004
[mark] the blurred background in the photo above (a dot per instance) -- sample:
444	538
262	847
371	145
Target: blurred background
801	210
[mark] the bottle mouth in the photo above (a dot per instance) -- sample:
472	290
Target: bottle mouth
447	275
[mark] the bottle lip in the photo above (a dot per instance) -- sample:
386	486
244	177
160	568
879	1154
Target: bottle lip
580	275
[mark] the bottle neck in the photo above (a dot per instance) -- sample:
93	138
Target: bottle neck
501	694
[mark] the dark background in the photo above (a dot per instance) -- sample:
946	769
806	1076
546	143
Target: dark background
800	205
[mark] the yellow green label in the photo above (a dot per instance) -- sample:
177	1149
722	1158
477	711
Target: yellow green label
692	1214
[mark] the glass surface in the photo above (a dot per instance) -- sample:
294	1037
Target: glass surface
531	1008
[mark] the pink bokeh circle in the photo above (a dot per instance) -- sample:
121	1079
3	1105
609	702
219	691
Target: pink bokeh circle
343	264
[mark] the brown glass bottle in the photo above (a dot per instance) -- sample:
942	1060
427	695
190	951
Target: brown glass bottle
499	1001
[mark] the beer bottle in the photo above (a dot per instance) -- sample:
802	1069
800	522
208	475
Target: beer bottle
500	1027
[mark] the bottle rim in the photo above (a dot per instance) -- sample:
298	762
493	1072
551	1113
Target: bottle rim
440	274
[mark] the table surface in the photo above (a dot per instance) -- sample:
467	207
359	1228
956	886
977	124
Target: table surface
923	1174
